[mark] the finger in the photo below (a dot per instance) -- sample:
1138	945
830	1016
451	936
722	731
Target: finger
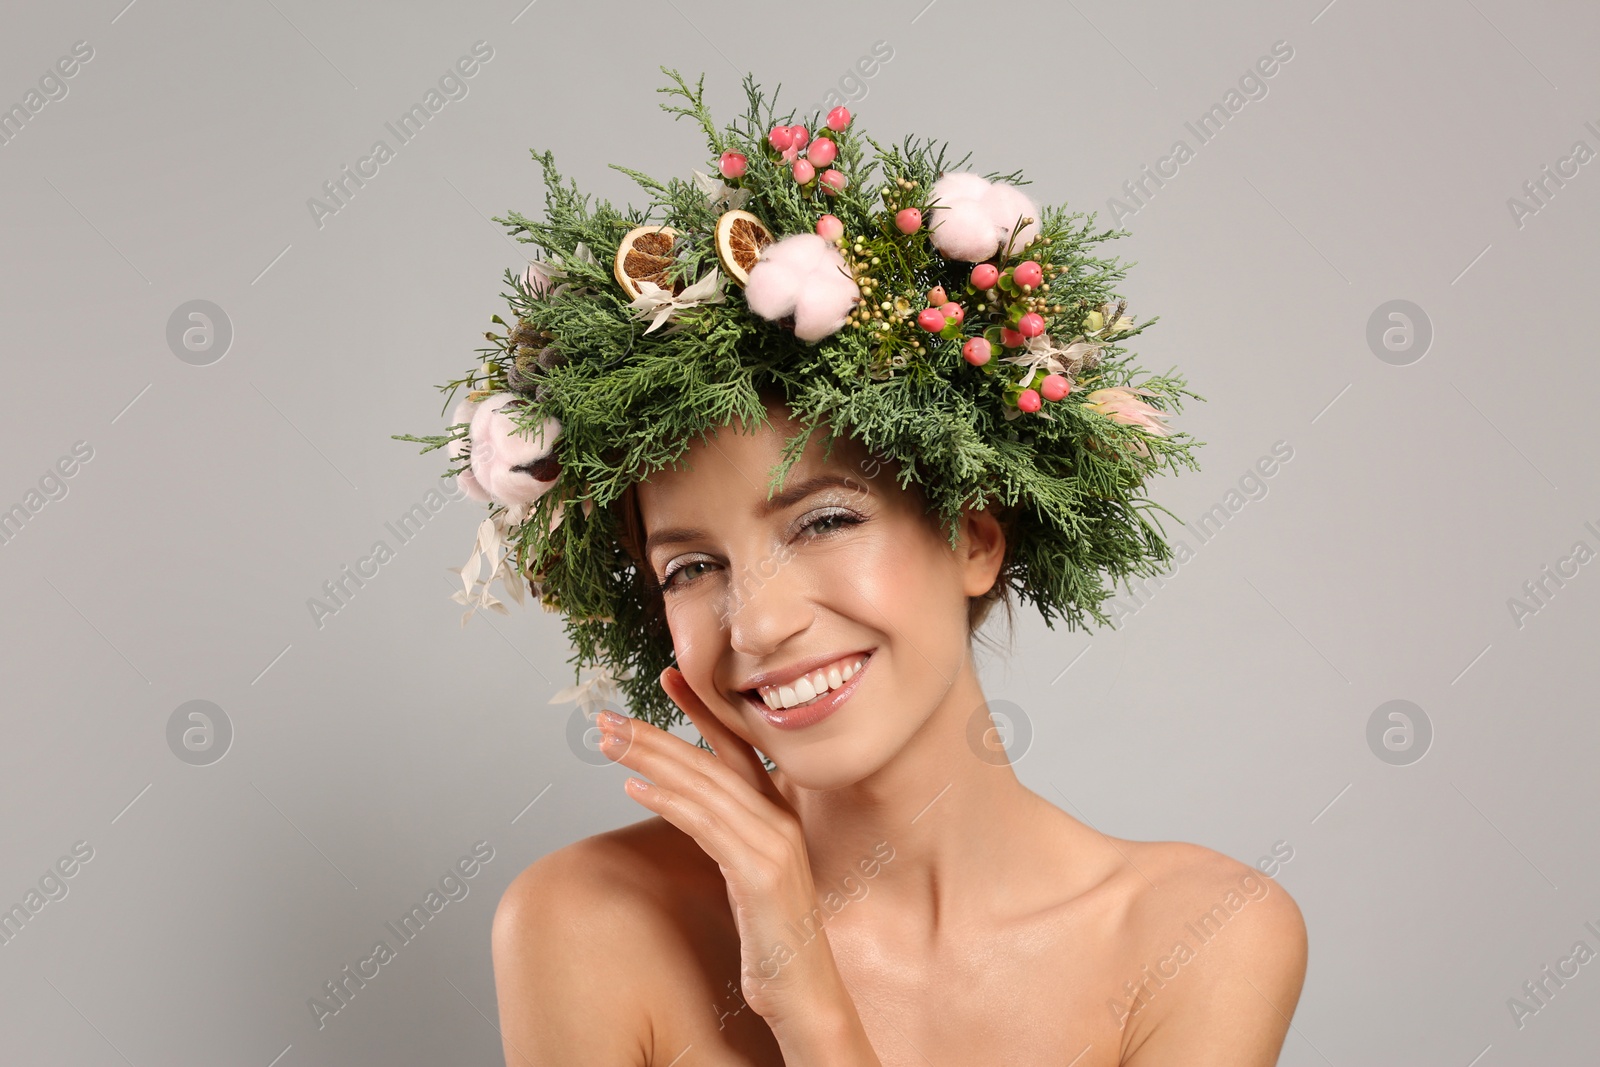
678	765
719	819
722	842
734	750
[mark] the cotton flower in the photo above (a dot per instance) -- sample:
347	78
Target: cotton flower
1121	404
512	468
971	218
804	276
466	479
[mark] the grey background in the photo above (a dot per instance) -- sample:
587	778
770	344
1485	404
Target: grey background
1230	708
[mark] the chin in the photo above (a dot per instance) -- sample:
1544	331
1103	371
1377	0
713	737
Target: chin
826	766
852	752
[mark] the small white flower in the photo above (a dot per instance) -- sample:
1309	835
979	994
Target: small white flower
592	694
1042	351
491	544
720	192
659	302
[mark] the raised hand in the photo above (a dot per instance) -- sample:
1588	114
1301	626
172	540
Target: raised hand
727	802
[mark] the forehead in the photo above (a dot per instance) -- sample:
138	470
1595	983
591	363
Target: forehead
732	468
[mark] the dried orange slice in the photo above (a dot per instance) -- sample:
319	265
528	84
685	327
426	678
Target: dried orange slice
740	238
644	255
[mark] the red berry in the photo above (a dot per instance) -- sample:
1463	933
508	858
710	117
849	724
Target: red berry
1031	324
954	312
838	118
1028	400
908	220
984	275
779	138
829	228
822	151
976	351
732	164
1011	338
804	171
1054	387
798	136
937	297
1029	274
833	181
931	319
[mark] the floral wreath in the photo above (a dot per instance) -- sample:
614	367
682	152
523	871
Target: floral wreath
936	315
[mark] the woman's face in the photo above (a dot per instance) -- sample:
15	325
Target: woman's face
841	566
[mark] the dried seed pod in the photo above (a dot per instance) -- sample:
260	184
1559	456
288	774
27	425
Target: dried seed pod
525	371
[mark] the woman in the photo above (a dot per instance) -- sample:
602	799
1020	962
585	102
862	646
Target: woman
815	428
889	894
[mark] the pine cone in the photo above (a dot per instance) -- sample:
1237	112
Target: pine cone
523	333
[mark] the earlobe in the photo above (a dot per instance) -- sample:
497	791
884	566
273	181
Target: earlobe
985	545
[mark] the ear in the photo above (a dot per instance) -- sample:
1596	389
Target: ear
983	539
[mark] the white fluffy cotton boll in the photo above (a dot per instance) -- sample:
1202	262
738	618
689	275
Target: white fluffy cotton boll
957	223
971	218
503	460
1007	204
466	479
804	276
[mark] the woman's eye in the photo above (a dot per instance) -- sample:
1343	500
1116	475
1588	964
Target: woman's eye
671	580
821	526
821	523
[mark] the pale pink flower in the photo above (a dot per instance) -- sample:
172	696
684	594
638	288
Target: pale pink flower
1122	404
537	277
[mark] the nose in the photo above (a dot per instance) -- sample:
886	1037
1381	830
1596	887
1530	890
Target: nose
766	605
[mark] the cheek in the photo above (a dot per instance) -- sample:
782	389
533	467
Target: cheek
901	586
700	640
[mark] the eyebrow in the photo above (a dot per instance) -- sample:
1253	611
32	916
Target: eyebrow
783	499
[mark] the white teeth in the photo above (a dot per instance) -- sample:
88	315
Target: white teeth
811	687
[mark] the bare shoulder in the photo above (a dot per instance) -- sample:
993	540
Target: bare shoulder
568	933
1222	953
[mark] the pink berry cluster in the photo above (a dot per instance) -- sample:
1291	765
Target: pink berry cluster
1020	318
785	145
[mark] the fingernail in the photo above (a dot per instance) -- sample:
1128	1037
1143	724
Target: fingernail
611	718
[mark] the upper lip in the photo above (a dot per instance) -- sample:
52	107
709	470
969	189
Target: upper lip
785	675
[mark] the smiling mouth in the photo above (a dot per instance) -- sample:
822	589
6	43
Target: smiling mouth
785	715
812	686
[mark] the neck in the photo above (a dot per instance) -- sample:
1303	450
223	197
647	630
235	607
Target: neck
932	834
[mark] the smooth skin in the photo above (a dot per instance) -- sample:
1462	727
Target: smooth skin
956	917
